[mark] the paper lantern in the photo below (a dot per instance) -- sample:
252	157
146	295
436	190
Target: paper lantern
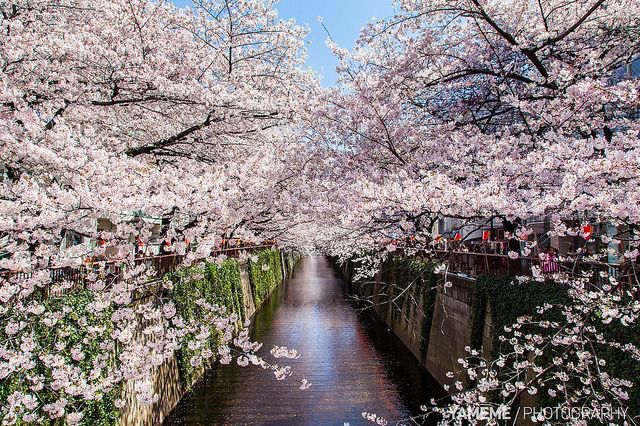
587	230
486	235
457	237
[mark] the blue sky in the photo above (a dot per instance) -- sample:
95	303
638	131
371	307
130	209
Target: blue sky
343	19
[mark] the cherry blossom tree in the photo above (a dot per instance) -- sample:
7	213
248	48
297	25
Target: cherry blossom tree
481	110
119	112
456	117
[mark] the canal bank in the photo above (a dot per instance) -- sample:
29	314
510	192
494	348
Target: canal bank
355	363
433	322
240	286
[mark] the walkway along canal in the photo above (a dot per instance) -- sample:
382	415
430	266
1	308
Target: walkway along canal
354	363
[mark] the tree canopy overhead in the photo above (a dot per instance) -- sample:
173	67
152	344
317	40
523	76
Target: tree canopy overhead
130	122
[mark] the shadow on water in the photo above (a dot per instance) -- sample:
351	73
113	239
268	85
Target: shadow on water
354	362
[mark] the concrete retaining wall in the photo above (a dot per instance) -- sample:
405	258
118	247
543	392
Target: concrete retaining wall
450	330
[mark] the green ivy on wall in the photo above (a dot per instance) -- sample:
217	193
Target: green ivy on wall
221	285
71	329
622	365
217	284
509	301
265	274
189	285
291	259
227	286
429	291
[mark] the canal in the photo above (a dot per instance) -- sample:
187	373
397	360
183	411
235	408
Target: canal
354	363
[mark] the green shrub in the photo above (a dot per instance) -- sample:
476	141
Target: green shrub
101	411
265	274
509	301
219	285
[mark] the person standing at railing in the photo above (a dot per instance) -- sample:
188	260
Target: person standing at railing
166	247
549	261
504	247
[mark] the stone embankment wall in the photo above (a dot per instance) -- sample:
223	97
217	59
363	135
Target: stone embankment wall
166	378
432	320
451	328
437	322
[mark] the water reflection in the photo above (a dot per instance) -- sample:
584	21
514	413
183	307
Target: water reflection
353	362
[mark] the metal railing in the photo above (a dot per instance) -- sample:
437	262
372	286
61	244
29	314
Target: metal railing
471	264
112	270
474	264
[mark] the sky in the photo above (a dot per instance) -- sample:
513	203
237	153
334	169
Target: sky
343	19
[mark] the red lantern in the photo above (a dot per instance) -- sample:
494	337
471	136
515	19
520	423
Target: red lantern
457	237
587	230
486	235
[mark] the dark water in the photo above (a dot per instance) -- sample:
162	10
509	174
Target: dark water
354	363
